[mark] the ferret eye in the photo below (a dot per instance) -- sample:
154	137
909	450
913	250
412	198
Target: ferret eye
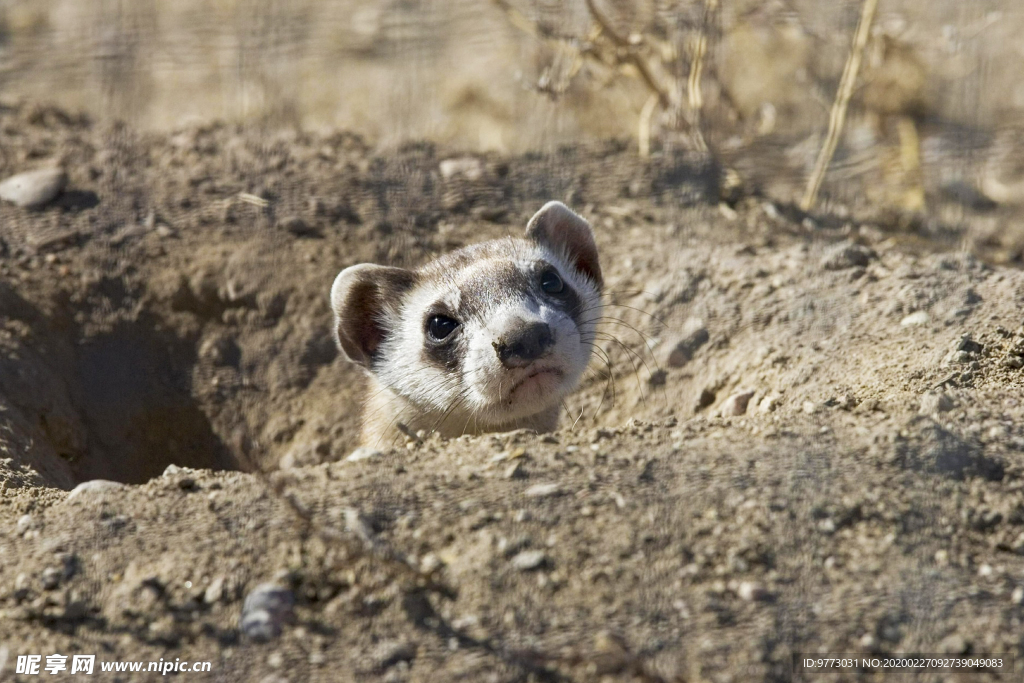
551	283
440	327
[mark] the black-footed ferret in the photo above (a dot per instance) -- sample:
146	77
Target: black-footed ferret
487	338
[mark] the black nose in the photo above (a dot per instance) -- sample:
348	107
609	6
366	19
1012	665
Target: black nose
524	344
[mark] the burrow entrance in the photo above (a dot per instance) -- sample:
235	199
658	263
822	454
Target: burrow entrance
114	401
135	399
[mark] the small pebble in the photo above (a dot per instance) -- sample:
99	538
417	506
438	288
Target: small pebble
916	318
736	404
706	398
363	453
968	345
610	653
750	591
215	591
51	577
848	255
470	168
390	652
265	611
529	560
953	645
33	189
515	471
25	522
93	487
680	349
543	490
933	403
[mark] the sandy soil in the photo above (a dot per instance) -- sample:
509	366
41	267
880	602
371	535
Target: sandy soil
806	436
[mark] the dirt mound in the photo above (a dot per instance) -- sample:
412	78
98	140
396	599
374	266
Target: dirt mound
800	434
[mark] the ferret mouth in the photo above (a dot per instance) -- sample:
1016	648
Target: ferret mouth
532	376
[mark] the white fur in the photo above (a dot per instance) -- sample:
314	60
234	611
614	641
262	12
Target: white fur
481	398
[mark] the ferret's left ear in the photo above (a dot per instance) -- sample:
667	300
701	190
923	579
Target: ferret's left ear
558	228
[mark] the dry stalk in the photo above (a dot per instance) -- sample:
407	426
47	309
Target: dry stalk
629	54
837	116
610	49
643	134
695	97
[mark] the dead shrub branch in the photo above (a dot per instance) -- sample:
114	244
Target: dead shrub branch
837	116
632	55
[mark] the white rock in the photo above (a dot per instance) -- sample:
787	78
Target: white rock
25	522
469	167
363	453
529	559
33	189
769	403
736	404
750	591
543	490
94	486
215	591
916	318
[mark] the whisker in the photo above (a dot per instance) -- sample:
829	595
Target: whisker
633	353
632	308
610	384
618	321
636	372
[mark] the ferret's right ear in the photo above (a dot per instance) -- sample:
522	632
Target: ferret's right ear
362	297
558	227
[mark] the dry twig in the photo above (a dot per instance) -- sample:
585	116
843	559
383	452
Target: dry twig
695	97
837	116
611	49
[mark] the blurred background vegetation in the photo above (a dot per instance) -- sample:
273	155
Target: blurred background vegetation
752	80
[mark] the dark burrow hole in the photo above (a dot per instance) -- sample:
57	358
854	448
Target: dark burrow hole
103	402
132	390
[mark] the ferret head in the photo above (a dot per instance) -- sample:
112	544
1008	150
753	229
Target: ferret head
489	334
